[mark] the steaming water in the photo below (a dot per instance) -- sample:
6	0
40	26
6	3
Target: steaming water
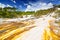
1	20
36	33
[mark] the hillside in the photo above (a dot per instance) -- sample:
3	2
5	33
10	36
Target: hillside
13	12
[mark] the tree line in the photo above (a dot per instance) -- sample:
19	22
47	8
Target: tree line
12	12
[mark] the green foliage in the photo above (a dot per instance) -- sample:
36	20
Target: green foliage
57	14
9	12
44	12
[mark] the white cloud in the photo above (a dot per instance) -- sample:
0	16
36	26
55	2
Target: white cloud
8	5
38	6
13	1
3	5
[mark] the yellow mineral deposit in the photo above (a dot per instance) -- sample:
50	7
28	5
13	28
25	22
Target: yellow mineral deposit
39	29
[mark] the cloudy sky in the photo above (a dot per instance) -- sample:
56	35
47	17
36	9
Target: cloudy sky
29	5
